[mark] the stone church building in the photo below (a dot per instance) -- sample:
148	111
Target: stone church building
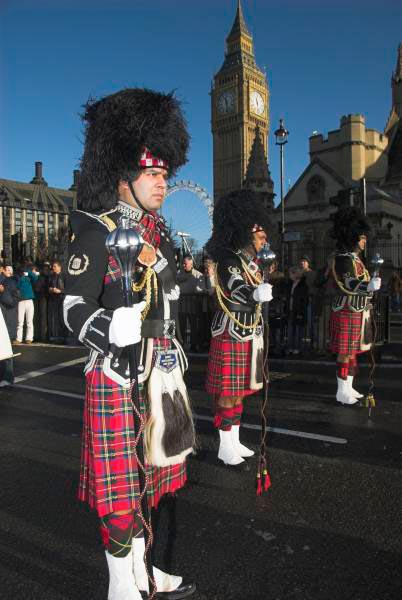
353	164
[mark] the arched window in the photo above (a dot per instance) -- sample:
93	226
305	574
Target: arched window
316	189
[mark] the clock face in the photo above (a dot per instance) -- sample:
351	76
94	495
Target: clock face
226	102
257	104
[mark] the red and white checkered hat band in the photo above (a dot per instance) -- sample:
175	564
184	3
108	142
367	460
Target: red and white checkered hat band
148	160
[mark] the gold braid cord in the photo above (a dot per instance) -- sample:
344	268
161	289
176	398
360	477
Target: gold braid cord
253	280
146	526
365	277
147	281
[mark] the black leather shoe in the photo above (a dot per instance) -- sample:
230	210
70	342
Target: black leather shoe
183	591
241	467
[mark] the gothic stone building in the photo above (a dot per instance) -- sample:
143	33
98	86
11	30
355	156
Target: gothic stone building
240	118
353	164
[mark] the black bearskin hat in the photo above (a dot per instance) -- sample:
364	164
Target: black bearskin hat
235	216
349	224
117	130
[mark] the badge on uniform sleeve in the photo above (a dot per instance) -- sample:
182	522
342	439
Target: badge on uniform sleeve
77	264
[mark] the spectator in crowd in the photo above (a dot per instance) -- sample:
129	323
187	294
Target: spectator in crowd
208	303
27	276
297	301
190	283
57	330
394	290
304	264
325	287
41	303
310	276
9	296
276	308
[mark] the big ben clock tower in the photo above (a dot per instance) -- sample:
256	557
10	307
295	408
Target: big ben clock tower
239	105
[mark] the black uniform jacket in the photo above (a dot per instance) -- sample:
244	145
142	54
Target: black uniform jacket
238	295
352	280
94	287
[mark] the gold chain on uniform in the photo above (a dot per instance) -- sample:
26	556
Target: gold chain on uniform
149	281
366	277
253	279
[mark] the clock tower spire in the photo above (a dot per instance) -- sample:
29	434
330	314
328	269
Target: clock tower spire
239	105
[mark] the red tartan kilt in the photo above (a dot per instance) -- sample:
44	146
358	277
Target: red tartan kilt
109	479
229	366
345	332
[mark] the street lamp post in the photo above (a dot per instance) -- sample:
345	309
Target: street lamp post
281	138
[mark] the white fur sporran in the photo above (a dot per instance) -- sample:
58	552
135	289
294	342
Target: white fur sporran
257	360
169	432
366	336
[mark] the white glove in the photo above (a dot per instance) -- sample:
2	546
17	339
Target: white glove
125	326
374	284
263	293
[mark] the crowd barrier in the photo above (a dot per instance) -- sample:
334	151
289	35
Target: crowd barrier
308	332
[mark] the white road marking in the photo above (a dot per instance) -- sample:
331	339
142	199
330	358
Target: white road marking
291	432
302	434
300	361
48	391
45	370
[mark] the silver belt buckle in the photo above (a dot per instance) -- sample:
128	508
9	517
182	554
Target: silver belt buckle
169	328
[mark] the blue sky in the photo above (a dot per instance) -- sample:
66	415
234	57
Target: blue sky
323	58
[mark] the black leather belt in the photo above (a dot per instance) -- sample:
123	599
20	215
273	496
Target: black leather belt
242	308
158	328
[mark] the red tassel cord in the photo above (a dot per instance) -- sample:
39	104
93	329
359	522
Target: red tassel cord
263	478
259	484
267	480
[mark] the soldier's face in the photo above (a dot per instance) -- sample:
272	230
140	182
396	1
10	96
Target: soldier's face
259	239
150	188
361	244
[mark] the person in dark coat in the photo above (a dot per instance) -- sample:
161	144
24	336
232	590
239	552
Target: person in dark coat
189	280
9	297
394	288
56	285
208	304
41	290
297	302
277	321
